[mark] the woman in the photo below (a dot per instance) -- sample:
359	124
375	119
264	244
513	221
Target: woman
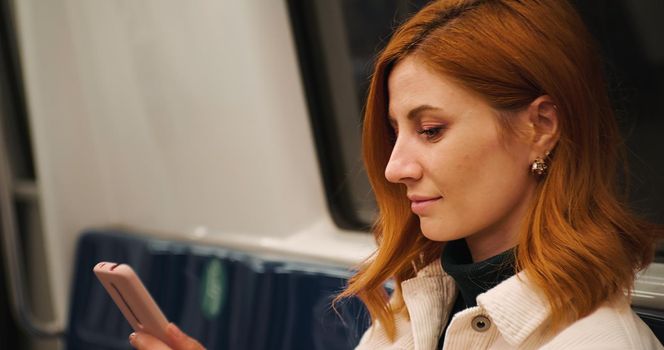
488	127
491	147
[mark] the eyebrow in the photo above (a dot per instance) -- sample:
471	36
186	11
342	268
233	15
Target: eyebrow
415	112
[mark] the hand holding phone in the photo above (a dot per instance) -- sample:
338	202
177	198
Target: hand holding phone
177	341
134	301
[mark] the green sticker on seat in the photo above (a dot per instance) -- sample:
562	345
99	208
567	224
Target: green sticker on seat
213	288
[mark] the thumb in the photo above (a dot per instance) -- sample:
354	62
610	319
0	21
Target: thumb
180	341
144	341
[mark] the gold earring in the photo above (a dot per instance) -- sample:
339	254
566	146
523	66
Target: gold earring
539	166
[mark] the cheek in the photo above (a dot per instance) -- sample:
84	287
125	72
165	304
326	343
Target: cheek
469	167
481	179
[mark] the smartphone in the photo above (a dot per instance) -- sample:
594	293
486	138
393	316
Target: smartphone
130	295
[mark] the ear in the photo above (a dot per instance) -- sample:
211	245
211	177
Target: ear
543	120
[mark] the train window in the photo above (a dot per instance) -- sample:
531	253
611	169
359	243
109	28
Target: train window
13	112
338	40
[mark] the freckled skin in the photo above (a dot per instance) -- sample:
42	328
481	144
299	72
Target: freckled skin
483	178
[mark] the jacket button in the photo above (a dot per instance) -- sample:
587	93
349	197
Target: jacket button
481	323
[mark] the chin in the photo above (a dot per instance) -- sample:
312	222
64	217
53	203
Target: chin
437	232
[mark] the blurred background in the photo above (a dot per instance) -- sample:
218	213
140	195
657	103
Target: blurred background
218	143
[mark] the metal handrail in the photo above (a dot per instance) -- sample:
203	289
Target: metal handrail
14	258
11	243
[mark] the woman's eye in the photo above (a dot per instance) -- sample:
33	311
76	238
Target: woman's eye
431	133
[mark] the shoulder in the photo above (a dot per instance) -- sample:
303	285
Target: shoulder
609	327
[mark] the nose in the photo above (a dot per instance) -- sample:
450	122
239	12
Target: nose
402	166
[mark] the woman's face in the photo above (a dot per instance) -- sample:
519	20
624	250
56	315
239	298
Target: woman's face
464	180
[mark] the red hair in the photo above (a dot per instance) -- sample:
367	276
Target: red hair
580	245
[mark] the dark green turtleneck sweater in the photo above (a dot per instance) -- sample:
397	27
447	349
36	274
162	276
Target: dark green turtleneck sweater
472	279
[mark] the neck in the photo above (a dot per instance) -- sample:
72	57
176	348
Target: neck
473	279
482	248
501	236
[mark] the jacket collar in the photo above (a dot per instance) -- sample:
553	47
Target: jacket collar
428	298
514	306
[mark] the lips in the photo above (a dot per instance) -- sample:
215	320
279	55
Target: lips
421	204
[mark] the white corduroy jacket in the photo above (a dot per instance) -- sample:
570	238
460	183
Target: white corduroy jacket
511	315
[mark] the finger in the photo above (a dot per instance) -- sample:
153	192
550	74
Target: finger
144	341
180	341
